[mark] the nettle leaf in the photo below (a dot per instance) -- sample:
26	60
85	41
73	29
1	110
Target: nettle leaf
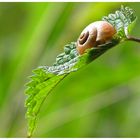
45	78
123	20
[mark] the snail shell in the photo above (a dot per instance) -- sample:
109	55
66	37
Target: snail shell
94	34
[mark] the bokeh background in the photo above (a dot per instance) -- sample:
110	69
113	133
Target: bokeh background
100	100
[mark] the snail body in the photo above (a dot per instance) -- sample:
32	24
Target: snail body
95	34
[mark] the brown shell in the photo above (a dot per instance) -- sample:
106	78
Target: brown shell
94	34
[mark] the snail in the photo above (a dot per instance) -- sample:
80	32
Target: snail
95	34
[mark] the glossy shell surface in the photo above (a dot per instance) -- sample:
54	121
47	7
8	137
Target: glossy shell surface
94	34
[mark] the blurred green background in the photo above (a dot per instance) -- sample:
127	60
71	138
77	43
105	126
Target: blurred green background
100	100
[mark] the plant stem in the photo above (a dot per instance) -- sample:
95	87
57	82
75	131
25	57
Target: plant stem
133	38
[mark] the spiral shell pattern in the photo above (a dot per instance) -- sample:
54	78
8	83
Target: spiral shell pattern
95	34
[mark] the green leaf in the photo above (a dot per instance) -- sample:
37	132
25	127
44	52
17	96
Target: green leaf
38	88
45	78
123	20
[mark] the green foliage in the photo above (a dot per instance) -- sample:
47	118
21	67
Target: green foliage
32	34
40	86
122	20
46	78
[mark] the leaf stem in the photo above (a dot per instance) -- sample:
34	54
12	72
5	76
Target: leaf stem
131	38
